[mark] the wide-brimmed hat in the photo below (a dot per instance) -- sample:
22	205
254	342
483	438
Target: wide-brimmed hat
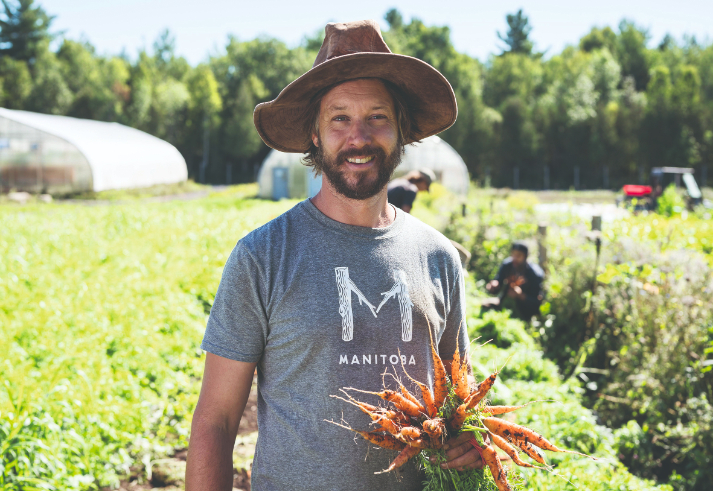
355	50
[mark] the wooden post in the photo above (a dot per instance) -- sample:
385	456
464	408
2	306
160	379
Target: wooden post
596	223
541	248
463	209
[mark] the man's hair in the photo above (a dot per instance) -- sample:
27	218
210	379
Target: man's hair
407	127
519	246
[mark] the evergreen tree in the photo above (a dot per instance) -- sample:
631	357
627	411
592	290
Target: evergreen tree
517	36
24	30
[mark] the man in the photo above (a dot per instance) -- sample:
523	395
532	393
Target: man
519	280
402	191
339	289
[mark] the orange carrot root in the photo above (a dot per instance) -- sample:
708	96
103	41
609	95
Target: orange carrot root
426	394
481	391
384	441
512	453
440	386
490	456
530	450
459	371
511	430
458	418
401	459
496	410
399	401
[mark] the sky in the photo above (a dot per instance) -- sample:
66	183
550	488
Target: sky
202	28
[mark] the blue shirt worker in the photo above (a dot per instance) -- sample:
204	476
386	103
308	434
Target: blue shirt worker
521	281
402	191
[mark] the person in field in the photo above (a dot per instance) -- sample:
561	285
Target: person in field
338	290
520	281
402	191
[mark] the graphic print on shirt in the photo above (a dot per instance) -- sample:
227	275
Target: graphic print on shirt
400	288
346	287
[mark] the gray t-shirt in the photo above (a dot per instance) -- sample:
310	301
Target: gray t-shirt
321	305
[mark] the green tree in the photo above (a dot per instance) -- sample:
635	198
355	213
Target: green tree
598	39
517	36
24	30
50	93
16	82
632	53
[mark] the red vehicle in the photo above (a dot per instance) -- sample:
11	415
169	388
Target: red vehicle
661	177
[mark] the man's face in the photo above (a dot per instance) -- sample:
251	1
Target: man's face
358	144
518	258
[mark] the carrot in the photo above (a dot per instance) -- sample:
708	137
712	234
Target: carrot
434	427
411	433
458	418
512	453
412	398
384	441
426	394
376	415
517	432
401	458
479	393
419	443
495	410
490	456
459	371
440	386
401	403
404	391
530	450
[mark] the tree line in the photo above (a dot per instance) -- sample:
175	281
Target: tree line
599	114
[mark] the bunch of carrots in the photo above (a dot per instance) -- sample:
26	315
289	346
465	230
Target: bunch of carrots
412	425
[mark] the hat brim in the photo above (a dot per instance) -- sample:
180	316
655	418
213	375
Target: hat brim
280	122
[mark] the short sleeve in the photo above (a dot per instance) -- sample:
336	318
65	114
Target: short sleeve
456	327
238	325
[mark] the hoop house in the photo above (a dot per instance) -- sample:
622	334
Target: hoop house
282	175
47	153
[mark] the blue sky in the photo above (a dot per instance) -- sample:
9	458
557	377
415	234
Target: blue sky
202	27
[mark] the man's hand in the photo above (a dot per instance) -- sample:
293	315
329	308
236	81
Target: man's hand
516	293
460	454
493	285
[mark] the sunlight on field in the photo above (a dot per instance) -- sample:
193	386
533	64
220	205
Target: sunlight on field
103	307
102	310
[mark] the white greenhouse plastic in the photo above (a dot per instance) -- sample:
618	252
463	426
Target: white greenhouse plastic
282	175
42	152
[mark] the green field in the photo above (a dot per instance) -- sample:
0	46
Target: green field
102	309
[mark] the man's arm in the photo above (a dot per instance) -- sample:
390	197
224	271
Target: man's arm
224	394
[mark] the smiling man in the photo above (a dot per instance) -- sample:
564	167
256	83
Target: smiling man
337	291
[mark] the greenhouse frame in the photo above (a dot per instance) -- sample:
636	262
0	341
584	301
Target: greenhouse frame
59	154
283	175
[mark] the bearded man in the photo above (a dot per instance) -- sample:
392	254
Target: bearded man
339	289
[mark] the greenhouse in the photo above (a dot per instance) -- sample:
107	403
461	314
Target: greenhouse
59	154
283	175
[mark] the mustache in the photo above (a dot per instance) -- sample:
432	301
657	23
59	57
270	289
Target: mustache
377	152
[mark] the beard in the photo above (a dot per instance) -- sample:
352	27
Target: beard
362	186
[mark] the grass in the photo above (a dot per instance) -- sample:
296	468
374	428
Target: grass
102	310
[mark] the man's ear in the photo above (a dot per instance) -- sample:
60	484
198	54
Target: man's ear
315	140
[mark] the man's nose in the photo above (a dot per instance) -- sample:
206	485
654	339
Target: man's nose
359	134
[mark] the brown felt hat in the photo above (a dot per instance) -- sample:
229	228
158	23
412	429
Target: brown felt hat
354	50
